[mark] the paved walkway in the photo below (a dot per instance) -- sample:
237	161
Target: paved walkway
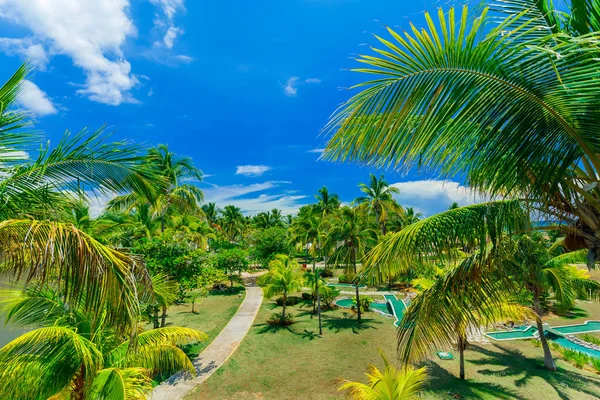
219	350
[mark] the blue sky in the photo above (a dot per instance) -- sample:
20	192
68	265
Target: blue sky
242	87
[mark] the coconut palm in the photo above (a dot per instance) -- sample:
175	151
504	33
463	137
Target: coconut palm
232	222
428	102
269	219
284	277
352	235
73	356
211	212
379	199
327	202
391	383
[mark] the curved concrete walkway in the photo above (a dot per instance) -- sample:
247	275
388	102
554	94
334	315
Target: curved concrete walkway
219	350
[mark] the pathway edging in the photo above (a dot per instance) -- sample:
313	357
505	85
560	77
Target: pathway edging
218	352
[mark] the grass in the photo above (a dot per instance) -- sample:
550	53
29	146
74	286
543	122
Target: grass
212	314
294	362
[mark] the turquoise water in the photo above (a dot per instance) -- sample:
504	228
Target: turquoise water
573	346
398	307
589	326
514	334
347	303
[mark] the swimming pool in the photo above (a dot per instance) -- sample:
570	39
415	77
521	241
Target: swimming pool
528	332
566	343
586	327
382	307
345	285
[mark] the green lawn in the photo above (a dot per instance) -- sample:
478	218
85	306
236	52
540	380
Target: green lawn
294	363
212	314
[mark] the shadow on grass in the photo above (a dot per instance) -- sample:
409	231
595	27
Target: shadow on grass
441	381
523	369
340	324
227	292
304	334
576	312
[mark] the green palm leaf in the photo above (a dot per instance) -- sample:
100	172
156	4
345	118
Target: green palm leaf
121	384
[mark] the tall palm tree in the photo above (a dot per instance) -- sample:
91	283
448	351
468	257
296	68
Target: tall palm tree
232	222
211	212
70	355
379	199
269	219
512	107
391	383
284	277
352	235
327	202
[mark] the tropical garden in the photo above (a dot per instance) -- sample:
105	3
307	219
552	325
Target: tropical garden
502	95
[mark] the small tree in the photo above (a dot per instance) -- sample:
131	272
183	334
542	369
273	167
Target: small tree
284	277
267	243
232	262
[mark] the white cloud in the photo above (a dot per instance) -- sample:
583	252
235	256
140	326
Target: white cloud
150	92
433	196
251	170
169	10
28	49
258	201
290	89
91	33
183	58
35	100
317	150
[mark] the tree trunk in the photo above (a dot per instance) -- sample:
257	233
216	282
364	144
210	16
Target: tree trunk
316	288
319	308
548	360
163	317
78	392
284	298
162	222
357	296
461	352
193	306
155	317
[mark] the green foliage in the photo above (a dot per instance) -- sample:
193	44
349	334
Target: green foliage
290	300
365	303
575	357
277	319
345	278
591	339
267	243
328	296
596	364
231	261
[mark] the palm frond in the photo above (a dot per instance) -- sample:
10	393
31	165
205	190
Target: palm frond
121	384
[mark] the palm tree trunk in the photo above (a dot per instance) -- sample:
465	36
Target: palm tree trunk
163	317
78	392
461	352
162	222
284	298
319	309
548	360
357	296
316	288
155	318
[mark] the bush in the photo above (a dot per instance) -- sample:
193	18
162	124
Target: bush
537	343
306	296
596	364
328	296
345	278
365	303
591	339
276	320
576	358
219	287
290	301
327	273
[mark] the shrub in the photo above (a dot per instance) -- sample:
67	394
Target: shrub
596	364
576	358
276	320
306	296
327	273
365	303
219	287
591	339
555	346
290	301
328	296
345	278
537	343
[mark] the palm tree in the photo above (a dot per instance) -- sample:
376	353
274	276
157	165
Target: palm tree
269	219
391	383
211	212
232	222
379	199
541	274
509	106
352	235
327	202
72	355
284	277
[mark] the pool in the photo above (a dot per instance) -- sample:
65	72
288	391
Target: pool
381	307
566	343
587	326
528	332
398	307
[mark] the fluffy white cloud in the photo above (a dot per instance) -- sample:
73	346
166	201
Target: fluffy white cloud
35	100
251	170
183	58
90	32
169	10
317	150
433	196
290	89
28	49
252	199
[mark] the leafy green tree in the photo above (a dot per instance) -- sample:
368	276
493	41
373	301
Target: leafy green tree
284	277
232	262
269	219
391	383
267	243
232	222
379	199
211	212
70	355
512	113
